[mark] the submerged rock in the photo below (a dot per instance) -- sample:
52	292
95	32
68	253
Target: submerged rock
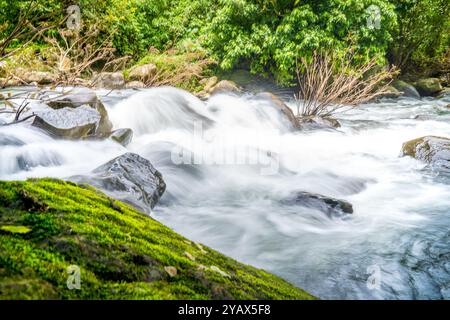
122	136
317	122
407	89
129	178
330	206
281	106
7	140
428	87
431	149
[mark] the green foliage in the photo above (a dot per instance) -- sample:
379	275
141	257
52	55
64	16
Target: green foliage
422	36
266	36
122	253
272	35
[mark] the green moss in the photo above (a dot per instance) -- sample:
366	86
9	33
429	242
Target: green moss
121	253
15	229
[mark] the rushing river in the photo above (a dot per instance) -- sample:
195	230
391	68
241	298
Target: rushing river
396	245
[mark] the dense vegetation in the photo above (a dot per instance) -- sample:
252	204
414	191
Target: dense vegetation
48	225
266	36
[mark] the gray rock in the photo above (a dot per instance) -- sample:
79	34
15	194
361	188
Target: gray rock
143	72
109	80
428	87
84	96
68	123
407	89
433	150
330	206
129	178
122	136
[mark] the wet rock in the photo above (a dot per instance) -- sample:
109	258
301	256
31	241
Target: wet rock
318	123
225	86
281	106
428	87
135	85
391	93
109	80
129	178
122	136
68	123
142	73
84	96
407	89
431	149
330	206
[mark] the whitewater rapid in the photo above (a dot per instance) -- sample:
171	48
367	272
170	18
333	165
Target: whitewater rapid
243	160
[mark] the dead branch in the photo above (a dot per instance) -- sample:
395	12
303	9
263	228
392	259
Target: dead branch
330	84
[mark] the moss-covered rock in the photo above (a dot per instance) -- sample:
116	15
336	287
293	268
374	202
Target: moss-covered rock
407	89
430	149
428	87
121	253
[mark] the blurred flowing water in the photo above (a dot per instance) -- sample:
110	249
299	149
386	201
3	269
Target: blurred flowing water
396	245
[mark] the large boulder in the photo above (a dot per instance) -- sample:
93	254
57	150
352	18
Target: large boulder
109	80
281	106
431	149
407	89
68	123
428	87
142	73
80	97
330	206
129	178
